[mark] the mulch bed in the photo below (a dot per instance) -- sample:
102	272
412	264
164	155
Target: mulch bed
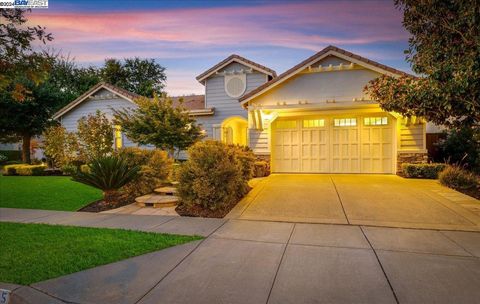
99	206
473	192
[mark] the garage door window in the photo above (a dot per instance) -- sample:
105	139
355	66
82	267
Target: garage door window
375	121
345	122
286	124
314	123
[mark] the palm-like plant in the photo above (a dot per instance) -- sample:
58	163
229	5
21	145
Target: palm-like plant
108	173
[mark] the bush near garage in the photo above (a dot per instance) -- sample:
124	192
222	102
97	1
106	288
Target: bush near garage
260	169
458	178
155	169
429	171
215	176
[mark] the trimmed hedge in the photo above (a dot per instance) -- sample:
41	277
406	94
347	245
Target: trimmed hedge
458	178
25	170
215	175
429	171
12	154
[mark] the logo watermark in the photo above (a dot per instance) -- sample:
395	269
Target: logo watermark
23	3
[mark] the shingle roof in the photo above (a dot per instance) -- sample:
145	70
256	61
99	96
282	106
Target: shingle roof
240	59
312	58
190	102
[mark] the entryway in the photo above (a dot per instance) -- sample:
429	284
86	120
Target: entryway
359	199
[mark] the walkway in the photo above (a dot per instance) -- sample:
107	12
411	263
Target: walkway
242	261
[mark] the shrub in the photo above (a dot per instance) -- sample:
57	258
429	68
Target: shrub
3	159
215	175
69	169
12	169
155	168
109	174
430	171
85	168
260	169
12	155
461	146
31	170
458	178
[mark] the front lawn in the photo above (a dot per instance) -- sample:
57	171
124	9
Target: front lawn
35	252
45	192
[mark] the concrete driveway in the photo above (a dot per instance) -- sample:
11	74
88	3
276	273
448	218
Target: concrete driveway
376	200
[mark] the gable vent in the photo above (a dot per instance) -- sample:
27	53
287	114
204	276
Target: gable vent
235	85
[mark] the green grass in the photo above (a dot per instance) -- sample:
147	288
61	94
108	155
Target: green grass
45	192
36	252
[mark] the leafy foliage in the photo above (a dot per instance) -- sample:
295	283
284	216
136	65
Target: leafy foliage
445	50
95	133
462	146
60	146
430	171
18	62
155	168
156	122
109	174
215	175
144	77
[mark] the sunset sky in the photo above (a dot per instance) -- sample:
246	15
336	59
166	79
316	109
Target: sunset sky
188	37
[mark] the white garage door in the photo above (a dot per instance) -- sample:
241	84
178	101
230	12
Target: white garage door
333	145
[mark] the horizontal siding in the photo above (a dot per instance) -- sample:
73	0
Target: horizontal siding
411	137
226	106
259	141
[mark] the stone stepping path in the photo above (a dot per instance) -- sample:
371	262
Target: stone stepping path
157	200
166	190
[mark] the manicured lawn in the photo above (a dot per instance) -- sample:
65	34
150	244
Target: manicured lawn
36	252
45	192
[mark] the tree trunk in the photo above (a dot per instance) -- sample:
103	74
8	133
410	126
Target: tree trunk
26	148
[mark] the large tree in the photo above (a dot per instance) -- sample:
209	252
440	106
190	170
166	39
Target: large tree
18	60
156	122
142	76
444	50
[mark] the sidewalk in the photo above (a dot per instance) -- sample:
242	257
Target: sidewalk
244	261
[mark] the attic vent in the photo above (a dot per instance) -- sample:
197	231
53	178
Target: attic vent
235	85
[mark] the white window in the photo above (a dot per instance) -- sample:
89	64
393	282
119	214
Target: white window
375	121
345	122
314	123
286	124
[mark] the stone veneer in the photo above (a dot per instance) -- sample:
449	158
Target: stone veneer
410	158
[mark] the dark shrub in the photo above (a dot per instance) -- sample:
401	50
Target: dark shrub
12	155
215	175
461	146
430	171
458	178
260	169
155	169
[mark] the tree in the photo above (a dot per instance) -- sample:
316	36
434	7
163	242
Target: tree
95	133
144	77
156	122
60	146
445	51
18	62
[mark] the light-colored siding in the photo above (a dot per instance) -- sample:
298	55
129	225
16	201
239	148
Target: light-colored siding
259	141
226	106
412	137
70	119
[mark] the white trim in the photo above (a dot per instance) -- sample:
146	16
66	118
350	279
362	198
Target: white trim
329	53
201	112
231	61
79	101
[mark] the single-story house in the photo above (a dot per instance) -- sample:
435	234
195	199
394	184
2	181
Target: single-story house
313	118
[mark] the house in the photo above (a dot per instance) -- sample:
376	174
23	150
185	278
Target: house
313	118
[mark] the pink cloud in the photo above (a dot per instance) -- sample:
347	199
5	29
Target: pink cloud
285	25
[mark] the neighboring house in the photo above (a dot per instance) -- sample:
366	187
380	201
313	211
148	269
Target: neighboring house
313	118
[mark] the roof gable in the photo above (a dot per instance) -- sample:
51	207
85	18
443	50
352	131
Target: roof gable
238	59
99	86
311	61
